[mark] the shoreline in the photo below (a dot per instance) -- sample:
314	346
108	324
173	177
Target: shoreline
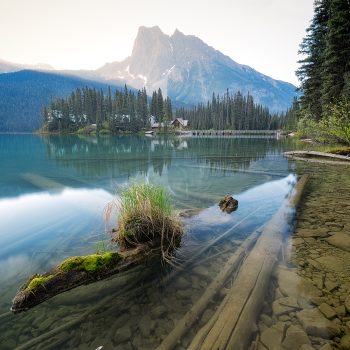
309	302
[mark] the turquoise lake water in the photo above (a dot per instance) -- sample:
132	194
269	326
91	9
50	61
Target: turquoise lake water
53	194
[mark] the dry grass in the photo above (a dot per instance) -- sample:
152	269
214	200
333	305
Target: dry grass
146	216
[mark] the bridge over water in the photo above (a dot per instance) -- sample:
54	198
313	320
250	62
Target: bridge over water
246	133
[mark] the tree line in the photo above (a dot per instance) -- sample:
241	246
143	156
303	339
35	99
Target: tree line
122	110
231	111
127	110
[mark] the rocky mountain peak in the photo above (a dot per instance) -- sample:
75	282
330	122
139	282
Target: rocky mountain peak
148	38
189	70
177	33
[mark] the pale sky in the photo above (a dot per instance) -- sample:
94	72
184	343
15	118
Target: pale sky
85	34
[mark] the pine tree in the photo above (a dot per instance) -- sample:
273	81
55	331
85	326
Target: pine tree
292	116
336	65
310	71
154	104
160	106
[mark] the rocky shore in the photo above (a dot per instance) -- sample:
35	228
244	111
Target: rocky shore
310	306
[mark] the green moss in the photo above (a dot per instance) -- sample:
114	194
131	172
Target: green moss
37	281
90	263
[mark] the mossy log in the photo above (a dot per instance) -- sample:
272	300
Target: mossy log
231	325
77	271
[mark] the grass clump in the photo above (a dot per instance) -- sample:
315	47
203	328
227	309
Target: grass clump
90	263
146	215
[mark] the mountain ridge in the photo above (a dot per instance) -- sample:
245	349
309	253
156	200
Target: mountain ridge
11	67
190	71
186	69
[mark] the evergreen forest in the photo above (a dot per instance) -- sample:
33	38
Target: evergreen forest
323	111
129	111
231	112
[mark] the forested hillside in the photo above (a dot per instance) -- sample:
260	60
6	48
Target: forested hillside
23	95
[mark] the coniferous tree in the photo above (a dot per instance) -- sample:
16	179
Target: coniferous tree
154	104
120	111
230	112
325	71
312	47
160	106
336	64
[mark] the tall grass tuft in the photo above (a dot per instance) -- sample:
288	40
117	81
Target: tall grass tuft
146	216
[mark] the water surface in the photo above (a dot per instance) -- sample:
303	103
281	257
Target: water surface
52	198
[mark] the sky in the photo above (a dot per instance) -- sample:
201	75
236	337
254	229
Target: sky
85	34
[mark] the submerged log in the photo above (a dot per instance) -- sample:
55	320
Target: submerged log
183	325
320	157
77	271
231	325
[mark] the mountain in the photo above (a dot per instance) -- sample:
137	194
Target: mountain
183	66
23	94
8	67
189	71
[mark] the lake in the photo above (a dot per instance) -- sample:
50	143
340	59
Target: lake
53	194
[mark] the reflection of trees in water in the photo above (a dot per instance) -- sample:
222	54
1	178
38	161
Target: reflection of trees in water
110	156
128	155
231	153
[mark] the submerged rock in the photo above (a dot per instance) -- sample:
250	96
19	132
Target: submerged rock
330	263
272	338
122	334
330	285
340	240
295	338
228	204
279	309
307	233
347	304
345	342
327	310
284	306
291	284
306	347
326	346
314	323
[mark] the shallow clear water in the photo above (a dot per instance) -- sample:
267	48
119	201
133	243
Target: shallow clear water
52	198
